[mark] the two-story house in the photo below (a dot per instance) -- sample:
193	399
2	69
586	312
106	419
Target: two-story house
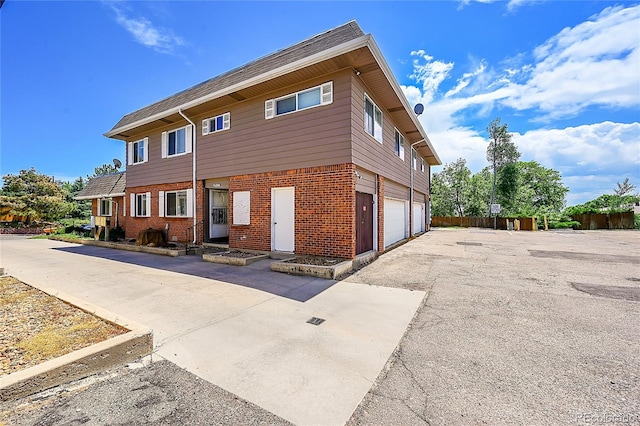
313	149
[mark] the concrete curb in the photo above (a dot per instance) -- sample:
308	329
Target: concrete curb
118	246
119	350
229	260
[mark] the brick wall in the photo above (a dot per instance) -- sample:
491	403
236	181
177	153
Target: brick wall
177	225
324	210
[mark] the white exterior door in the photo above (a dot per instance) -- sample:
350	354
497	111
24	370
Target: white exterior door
219	208
396	218
283	219
418	218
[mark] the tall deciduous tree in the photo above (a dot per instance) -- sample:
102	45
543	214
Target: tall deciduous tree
478	193
450	189
501	150
35	195
624	188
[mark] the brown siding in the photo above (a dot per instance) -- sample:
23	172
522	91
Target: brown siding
370	154
366	182
315	137
395	190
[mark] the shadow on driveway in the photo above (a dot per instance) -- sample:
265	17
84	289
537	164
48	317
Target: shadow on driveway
258	275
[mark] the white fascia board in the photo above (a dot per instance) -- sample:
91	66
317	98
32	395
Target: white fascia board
349	46
377	54
97	197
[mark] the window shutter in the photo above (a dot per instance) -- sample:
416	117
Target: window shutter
327	93
146	150
164	144
148	194
124	206
190	202
130	153
188	138
110	213
226	121
269	111
205	127
161	203
132	198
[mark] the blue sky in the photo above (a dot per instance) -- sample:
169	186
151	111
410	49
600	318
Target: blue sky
564	75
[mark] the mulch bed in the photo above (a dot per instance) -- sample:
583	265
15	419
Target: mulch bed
235	253
36	327
315	261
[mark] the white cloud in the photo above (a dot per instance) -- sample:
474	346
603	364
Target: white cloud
162	40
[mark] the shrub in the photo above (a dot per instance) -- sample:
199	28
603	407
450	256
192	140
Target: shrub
573	224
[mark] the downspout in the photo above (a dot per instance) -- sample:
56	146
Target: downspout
411	194
193	155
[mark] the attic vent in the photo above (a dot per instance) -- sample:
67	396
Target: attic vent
315	321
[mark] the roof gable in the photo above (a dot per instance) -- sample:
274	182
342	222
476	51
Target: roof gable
112	185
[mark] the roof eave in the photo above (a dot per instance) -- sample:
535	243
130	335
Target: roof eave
362	41
95	197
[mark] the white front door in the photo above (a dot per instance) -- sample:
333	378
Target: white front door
219	208
282	219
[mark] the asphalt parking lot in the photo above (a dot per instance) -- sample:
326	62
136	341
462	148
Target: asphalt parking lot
515	328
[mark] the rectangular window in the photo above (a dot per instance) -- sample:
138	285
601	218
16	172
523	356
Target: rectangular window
138	151
104	207
177	142
142	204
422	164
308	98
216	124
372	119
176	203
399	147
414	158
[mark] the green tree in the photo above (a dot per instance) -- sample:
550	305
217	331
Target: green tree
478	193
105	169
500	151
35	195
540	189
80	208
450	187
624	188
507	188
441	196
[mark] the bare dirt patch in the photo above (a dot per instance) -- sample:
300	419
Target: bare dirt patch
36	327
315	261
235	253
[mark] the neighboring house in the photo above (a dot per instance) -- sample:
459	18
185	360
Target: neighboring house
312	149
107	198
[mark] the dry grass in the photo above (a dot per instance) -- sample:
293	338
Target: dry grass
36	327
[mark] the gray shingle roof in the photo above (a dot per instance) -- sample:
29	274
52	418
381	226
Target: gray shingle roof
104	186
311	46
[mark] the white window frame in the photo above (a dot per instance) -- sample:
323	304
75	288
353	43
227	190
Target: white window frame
132	147
101	212
414	159
163	198
326	98
188	137
206	123
136	199
399	143
422	164
377	128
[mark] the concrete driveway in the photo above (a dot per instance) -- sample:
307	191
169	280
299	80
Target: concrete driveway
250	342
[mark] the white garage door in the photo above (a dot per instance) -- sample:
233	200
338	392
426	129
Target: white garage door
395	221
418	217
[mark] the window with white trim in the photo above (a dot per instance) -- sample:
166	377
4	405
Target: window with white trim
422	164
104	207
175	203
399	144
216	124
138	151
177	142
140	204
304	99
414	157
372	119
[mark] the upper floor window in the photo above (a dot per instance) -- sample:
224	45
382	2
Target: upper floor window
399	146
414	157
216	124
422	164
141	204
104	207
138	151
308	98
177	142
372	119
176	203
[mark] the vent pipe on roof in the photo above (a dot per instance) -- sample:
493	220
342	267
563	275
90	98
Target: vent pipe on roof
193	155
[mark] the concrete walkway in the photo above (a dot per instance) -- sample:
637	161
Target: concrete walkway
250	342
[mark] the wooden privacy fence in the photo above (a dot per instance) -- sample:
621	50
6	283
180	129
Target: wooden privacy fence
526	223
605	220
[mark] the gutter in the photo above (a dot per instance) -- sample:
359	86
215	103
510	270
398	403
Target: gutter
193	155
96	197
